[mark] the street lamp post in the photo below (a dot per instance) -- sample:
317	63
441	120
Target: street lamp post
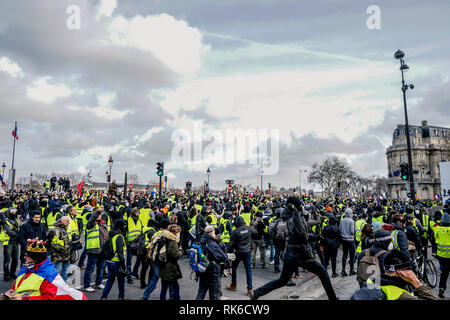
208	172
110	163
300	171
403	68
31	180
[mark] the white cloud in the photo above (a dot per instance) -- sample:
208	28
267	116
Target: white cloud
172	41
43	91
147	136
106	8
12	68
105	109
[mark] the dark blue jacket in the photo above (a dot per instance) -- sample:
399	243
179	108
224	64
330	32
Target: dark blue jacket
401	239
213	252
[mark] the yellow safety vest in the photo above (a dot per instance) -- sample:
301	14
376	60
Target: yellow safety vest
134	229
359	225
213	220
144	231
93	238
144	216
247	216
31	286
442	237
393	292
42	215
72	228
225	235
426	224
51	219
378	219
193	222
114	245
4	237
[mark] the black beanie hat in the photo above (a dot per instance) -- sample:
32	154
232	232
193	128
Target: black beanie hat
295	202
164	223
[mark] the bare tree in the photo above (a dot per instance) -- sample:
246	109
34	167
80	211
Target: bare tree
329	173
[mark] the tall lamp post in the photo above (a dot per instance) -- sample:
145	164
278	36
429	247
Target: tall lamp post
208	172
31	180
110	163
403	68
300	171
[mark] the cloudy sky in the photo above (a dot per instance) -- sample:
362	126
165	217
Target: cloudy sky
138	71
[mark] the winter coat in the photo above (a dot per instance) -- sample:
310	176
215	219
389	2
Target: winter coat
60	243
259	227
200	225
11	232
413	236
347	227
298	249
241	237
182	220
402	240
213	252
171	270
119	245
103	232
332	237
31	230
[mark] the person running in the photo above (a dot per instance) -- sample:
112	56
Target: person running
298	252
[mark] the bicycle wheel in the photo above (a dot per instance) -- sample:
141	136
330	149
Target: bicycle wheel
430	273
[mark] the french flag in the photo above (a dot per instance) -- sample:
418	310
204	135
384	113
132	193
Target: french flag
14	132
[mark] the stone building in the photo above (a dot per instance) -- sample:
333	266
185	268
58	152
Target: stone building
429	146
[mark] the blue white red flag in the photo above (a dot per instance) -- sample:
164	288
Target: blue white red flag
14	132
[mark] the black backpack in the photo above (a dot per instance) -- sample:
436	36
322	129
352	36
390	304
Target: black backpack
136	244
107	251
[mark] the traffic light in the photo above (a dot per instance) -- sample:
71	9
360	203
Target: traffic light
404	171
160	169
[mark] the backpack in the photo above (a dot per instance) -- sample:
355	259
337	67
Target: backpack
271	231
136	245
198	261
107	251
366	266
158	251
281	230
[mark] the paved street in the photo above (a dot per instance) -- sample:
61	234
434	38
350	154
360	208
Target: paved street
307	288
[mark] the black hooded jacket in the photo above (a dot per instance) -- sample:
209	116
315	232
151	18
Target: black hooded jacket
31	230
241	237
297	250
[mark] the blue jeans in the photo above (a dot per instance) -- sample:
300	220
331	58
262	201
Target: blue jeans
94	260
246	259
129	262
269	244
63	268
113	273
174	290
152	283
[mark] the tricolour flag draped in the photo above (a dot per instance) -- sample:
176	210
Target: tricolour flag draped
65	292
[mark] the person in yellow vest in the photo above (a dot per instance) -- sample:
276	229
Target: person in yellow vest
359	225
60	244
34	281
96	235
225	227
394	283
53	216
246	215
192	222
134	230
442	244
149	231
116	266
145	214
10	225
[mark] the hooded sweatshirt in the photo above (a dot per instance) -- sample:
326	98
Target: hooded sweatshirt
347	226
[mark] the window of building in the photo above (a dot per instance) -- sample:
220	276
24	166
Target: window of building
423	173
444	133
402	158
436	132
422	157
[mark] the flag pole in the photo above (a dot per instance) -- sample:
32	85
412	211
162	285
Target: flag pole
14	151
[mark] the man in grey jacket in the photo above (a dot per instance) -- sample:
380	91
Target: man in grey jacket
347	230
